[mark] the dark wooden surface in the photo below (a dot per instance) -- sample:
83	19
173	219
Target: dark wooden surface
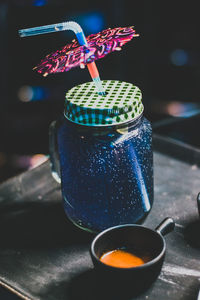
43	256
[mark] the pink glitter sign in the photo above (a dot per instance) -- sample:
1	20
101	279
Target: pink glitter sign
73	55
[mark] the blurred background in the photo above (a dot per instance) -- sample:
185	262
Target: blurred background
164	62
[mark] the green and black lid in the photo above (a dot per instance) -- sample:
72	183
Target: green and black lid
122	103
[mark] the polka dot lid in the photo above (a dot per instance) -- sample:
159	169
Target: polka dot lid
122	103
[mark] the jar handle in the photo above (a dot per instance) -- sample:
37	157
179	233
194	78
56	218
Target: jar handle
53	152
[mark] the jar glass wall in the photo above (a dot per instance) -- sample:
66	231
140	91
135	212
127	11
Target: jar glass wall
106	173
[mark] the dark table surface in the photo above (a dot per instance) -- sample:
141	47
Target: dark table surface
43	256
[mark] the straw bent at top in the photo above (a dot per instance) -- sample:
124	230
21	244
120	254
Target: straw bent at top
80	37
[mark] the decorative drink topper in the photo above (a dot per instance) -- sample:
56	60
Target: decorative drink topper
73	55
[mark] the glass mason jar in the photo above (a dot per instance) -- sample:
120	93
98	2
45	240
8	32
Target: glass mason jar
105	159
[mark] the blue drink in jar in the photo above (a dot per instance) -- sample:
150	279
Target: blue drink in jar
105	153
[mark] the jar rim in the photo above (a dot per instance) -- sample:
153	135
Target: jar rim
130	123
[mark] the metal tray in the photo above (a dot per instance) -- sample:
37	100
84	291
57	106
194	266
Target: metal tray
43	256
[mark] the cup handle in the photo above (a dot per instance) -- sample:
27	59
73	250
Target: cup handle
53	152
166	226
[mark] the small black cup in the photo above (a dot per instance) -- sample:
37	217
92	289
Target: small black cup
132	236
198	297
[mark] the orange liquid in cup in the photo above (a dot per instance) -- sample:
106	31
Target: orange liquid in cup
123	259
